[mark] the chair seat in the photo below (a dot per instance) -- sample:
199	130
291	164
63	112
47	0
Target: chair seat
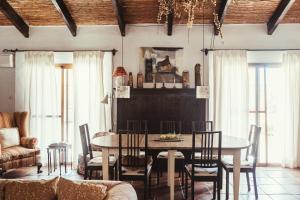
227	161
165	154
201	171
98	161
17	152
137	170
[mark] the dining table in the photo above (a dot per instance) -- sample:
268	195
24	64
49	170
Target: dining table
230	146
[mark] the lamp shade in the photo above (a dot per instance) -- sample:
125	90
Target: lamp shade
119	71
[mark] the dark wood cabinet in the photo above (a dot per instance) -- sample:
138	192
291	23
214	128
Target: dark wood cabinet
160	104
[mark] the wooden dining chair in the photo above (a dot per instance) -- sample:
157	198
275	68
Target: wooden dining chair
249	164
137	125
92	163
133	166
208	167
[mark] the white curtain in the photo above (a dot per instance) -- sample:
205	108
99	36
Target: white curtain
229	102
37	91
88	91
291	135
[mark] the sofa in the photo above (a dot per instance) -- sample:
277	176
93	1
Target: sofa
25	153
52	189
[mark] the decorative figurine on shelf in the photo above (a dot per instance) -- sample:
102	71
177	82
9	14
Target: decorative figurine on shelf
185	79
163	85
140	80
130	80
197	74
165	65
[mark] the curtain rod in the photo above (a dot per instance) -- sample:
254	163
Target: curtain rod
207	50
114	51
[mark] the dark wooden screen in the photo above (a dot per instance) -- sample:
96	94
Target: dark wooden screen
155	105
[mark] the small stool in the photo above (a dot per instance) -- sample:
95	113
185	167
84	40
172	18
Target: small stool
60	147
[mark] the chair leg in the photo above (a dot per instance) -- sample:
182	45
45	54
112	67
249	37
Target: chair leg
221	178
39	166
219	190
157	176
85	174
215	190
149	185
193	189
255	184
186	186
227	185
91	173
248	181
145	189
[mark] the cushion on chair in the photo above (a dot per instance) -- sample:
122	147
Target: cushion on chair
164	154
201	171
17	152
70	190
33	190
97	161
228	162
139	170
9	137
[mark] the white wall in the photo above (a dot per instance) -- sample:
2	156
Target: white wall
108	37
7	89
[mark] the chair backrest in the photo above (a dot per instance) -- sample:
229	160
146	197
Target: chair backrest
209	144
202	126
252	150
137	125
130	145
85	141
169	126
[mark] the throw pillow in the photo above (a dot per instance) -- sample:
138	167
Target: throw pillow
9	137
70	190
33	190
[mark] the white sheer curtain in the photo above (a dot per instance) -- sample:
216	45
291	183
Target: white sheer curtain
37	91
88	91
229	100
291	135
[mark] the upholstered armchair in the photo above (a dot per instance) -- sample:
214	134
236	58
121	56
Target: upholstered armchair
25	152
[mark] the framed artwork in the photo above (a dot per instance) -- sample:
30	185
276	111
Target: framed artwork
202	92
161	64
123	92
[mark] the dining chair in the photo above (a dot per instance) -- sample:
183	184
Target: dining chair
137	125
208	167
133	166
202	125
92	163
249	164
169	126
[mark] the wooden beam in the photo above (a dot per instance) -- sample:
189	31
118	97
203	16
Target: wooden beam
279	14
222	12
14	17
65	13
119	13
170	20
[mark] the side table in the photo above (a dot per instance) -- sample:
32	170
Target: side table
60	148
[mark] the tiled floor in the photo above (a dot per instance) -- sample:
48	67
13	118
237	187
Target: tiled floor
273	184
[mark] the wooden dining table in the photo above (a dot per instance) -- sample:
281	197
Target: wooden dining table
230	146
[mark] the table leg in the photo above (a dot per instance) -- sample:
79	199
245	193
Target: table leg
236	173
105	163
65	149
171	172
48	162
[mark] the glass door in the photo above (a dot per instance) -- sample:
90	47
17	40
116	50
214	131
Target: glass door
265	109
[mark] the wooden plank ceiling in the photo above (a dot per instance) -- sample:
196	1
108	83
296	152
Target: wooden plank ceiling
101	12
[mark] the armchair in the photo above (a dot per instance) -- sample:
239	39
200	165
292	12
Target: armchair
24	155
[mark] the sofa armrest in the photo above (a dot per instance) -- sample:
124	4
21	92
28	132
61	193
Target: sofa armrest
29	142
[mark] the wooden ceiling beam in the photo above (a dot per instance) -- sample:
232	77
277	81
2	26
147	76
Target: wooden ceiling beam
14	17
65	13
279	14
117	6
170	19
222	12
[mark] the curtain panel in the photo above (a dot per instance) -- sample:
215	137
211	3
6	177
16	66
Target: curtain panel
291	114
36	92
229	101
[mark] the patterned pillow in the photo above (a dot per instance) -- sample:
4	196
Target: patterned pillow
9	137
70	190
33	190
